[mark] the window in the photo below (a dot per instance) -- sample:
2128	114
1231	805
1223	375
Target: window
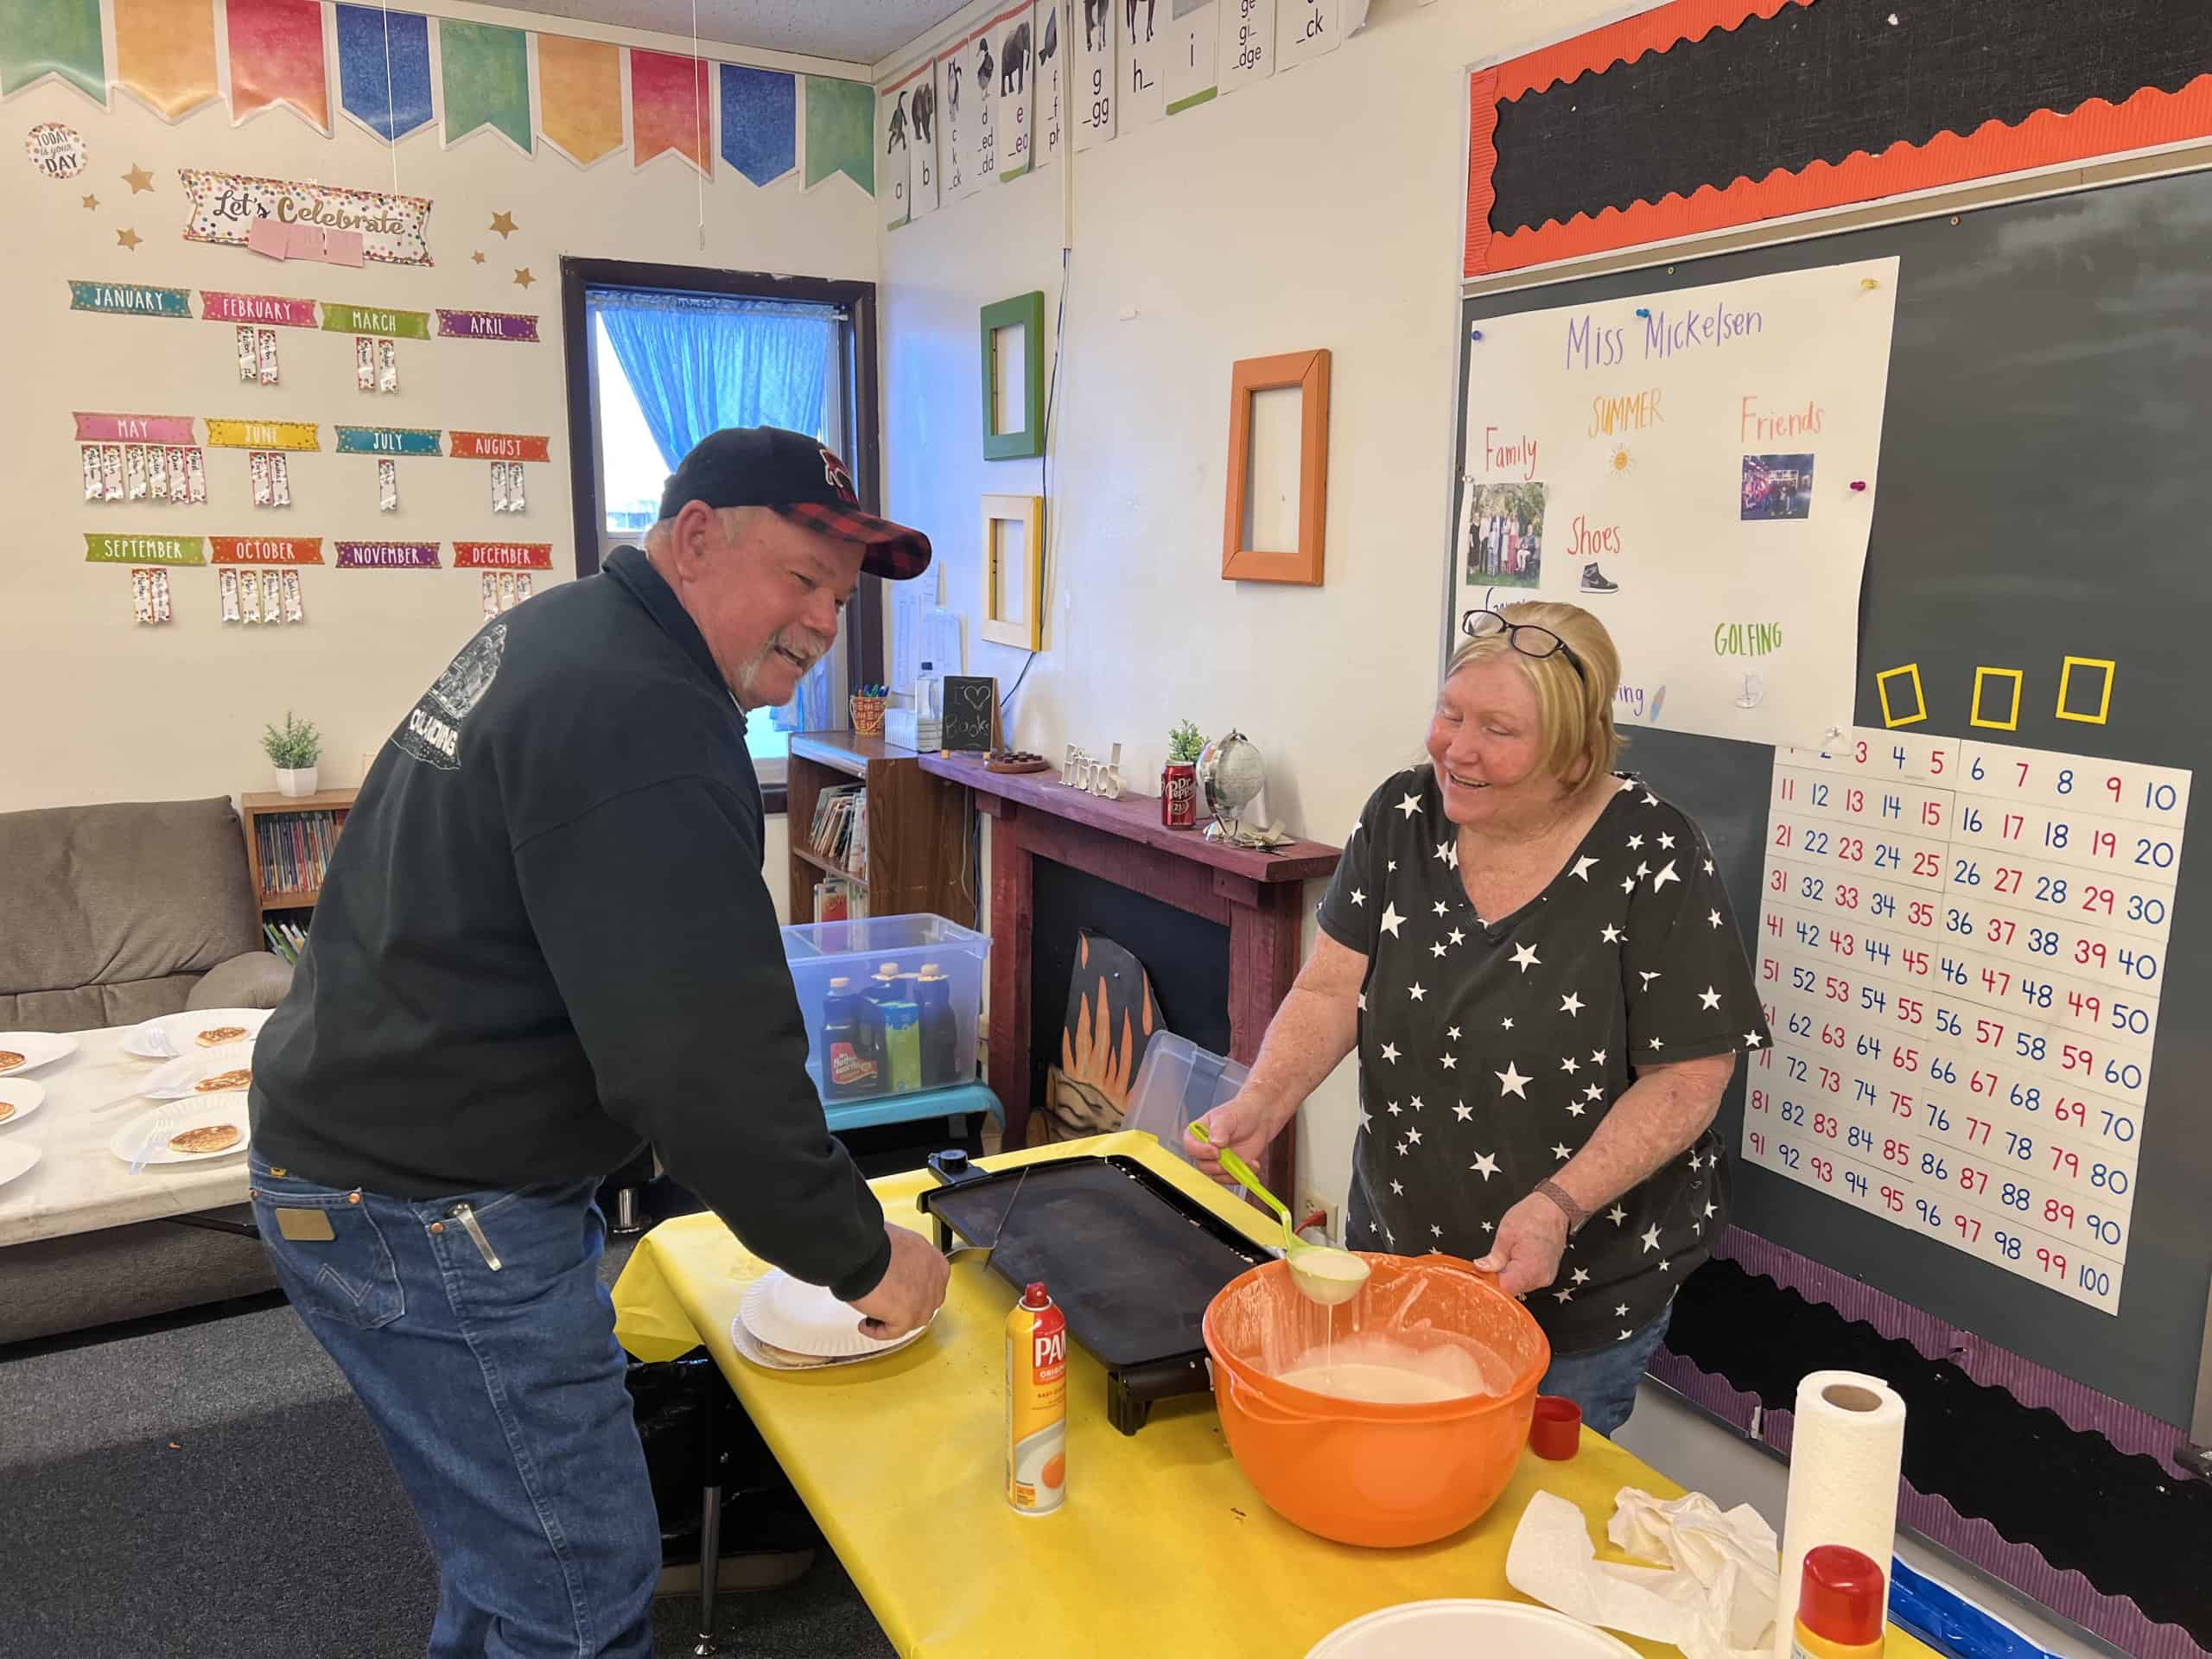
660	364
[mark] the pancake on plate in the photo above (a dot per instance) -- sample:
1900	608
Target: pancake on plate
9	1059
212	1137
7	1110
223	1080
216	1036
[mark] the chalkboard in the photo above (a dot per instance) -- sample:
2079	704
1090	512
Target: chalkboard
971	706
2044	491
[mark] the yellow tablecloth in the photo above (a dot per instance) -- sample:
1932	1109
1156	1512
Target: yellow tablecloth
1162	1548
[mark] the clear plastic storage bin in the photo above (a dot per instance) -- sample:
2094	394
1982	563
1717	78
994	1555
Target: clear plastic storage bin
1179	1084
890	1033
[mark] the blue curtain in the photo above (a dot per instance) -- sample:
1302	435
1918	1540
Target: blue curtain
696	365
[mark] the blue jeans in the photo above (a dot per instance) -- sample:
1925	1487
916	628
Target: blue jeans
1603	1380
499	1397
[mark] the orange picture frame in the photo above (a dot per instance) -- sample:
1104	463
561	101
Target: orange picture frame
1307	372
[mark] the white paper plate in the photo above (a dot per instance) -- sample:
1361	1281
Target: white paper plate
179	1078
776	1359
175	1034
22	1094
803	1318
38	1048
1451	1629
17	1158
130	1141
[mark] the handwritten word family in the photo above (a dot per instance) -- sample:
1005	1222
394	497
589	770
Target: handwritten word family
1961	949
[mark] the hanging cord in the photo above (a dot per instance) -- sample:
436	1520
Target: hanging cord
698	128
390	112
1045	486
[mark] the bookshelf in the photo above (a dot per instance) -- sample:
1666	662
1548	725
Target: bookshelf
266	811
918	835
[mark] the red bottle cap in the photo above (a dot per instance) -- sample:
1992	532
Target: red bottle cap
1555	1432
1034	1296
1841	1597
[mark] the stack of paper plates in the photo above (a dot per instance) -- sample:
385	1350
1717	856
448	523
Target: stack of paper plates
787	1325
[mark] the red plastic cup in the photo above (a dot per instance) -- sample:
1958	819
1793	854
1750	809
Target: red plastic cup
1555	1432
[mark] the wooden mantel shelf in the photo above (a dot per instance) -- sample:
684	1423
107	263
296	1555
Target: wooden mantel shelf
1136	817
1259	897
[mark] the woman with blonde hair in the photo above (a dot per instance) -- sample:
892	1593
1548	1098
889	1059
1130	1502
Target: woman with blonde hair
1534	958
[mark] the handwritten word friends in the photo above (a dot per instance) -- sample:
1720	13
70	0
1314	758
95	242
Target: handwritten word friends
1757	426
1520	452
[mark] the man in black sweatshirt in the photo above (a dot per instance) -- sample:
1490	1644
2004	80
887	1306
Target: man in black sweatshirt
544	938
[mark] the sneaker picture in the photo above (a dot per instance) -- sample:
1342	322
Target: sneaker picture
1593	580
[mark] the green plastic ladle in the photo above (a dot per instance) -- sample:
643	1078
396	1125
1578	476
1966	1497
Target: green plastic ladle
1322	1273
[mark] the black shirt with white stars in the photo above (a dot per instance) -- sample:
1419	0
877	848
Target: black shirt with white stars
1489	1050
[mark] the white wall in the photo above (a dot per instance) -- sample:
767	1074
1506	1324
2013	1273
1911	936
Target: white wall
99	709
1322	207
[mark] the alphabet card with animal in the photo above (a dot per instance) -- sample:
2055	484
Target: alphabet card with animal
1097	90
1013	117
1050	101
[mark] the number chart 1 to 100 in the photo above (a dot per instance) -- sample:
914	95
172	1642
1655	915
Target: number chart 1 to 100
1961	953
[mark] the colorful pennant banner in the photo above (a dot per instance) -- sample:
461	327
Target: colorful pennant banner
388	555
387	441
486	325
256	307
339	318
276	53
225	206
497	446
668	108
60	38
760	121
169	430
131	299
262	435
383	69
486	72
840	131
165	54
579	97
503	555
266	550
144	550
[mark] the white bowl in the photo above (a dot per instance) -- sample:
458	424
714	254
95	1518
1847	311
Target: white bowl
1454	1629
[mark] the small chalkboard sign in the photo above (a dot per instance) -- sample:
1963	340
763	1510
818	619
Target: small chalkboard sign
972	708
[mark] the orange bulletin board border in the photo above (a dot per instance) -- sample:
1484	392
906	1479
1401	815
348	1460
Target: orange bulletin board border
2147	118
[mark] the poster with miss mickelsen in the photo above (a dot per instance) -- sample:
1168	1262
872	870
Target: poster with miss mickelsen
1697	468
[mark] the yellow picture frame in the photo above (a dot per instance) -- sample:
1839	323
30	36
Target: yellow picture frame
1026	631
2065	684
1890	721
2012	722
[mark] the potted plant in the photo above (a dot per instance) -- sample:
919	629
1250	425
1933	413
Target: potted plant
293	749
1178	778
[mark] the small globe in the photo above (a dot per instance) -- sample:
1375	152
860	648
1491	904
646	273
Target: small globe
1231	773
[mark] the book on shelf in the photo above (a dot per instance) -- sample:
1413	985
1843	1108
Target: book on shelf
839	830
836	899
295	848
286	937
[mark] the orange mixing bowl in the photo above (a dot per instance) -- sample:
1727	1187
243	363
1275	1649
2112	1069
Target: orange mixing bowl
1369	1473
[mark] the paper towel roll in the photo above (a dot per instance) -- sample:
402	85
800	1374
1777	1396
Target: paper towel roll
1846	1452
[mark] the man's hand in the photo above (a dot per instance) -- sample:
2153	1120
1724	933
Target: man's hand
1529	1245
1242	1124
911	1291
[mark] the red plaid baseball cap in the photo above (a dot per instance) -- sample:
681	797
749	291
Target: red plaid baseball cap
799	478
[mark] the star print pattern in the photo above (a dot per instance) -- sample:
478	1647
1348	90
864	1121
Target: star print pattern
1603	963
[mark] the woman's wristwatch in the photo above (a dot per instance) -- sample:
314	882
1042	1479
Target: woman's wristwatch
1575	1214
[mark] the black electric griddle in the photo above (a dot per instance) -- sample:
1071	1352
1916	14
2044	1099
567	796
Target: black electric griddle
1130	1259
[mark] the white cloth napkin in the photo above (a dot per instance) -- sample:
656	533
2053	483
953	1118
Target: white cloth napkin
1714	1599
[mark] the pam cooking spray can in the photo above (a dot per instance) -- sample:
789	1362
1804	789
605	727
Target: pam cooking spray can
1036	1404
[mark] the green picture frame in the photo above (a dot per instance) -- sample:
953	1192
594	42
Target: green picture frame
1026	313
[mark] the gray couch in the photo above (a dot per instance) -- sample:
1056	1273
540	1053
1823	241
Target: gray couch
115	914
120	912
